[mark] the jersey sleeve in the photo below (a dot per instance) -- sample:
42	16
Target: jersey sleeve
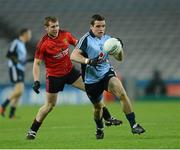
12	51
82	44
72	40
13	46
40	49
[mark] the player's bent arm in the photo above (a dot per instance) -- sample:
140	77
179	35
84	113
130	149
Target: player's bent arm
77	56
119	56
36	69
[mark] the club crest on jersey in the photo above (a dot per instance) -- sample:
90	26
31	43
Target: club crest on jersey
102	57
65	41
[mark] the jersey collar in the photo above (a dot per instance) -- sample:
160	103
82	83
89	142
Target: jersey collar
92	34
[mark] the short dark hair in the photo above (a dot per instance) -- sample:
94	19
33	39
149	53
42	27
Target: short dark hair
96	17
23	30
49	19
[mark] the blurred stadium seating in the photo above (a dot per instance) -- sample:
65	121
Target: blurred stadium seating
150	30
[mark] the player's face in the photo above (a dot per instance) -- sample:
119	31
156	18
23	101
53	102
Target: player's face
53	29
98	28
28	35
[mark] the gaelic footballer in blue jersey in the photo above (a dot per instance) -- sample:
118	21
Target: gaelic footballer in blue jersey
99	75
16	63
58	79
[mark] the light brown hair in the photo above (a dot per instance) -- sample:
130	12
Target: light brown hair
49	19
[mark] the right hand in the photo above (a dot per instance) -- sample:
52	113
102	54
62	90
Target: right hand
36	87
97	60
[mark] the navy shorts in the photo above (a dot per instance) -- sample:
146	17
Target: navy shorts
16	75
56	84
95	91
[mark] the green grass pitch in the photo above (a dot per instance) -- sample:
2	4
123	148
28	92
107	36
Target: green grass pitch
69	126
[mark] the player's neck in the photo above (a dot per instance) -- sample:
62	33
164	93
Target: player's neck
53	37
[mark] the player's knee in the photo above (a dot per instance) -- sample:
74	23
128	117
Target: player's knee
117	92
51	106
19	89
19	93
97	107
121	94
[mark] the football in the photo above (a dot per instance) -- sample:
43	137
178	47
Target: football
112	46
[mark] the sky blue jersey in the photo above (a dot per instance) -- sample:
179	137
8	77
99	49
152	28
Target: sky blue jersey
18	47
91	46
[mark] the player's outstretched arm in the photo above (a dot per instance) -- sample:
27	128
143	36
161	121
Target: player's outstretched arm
77	56
36	74
36	69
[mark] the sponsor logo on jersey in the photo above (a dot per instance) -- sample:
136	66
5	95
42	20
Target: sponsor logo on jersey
61	53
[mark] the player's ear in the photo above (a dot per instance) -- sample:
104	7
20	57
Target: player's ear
91	27
46	28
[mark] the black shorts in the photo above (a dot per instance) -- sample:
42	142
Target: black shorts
56	84
95	91
16	75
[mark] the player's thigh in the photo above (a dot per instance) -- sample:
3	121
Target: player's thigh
94	92
115	86
79	84
51	98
